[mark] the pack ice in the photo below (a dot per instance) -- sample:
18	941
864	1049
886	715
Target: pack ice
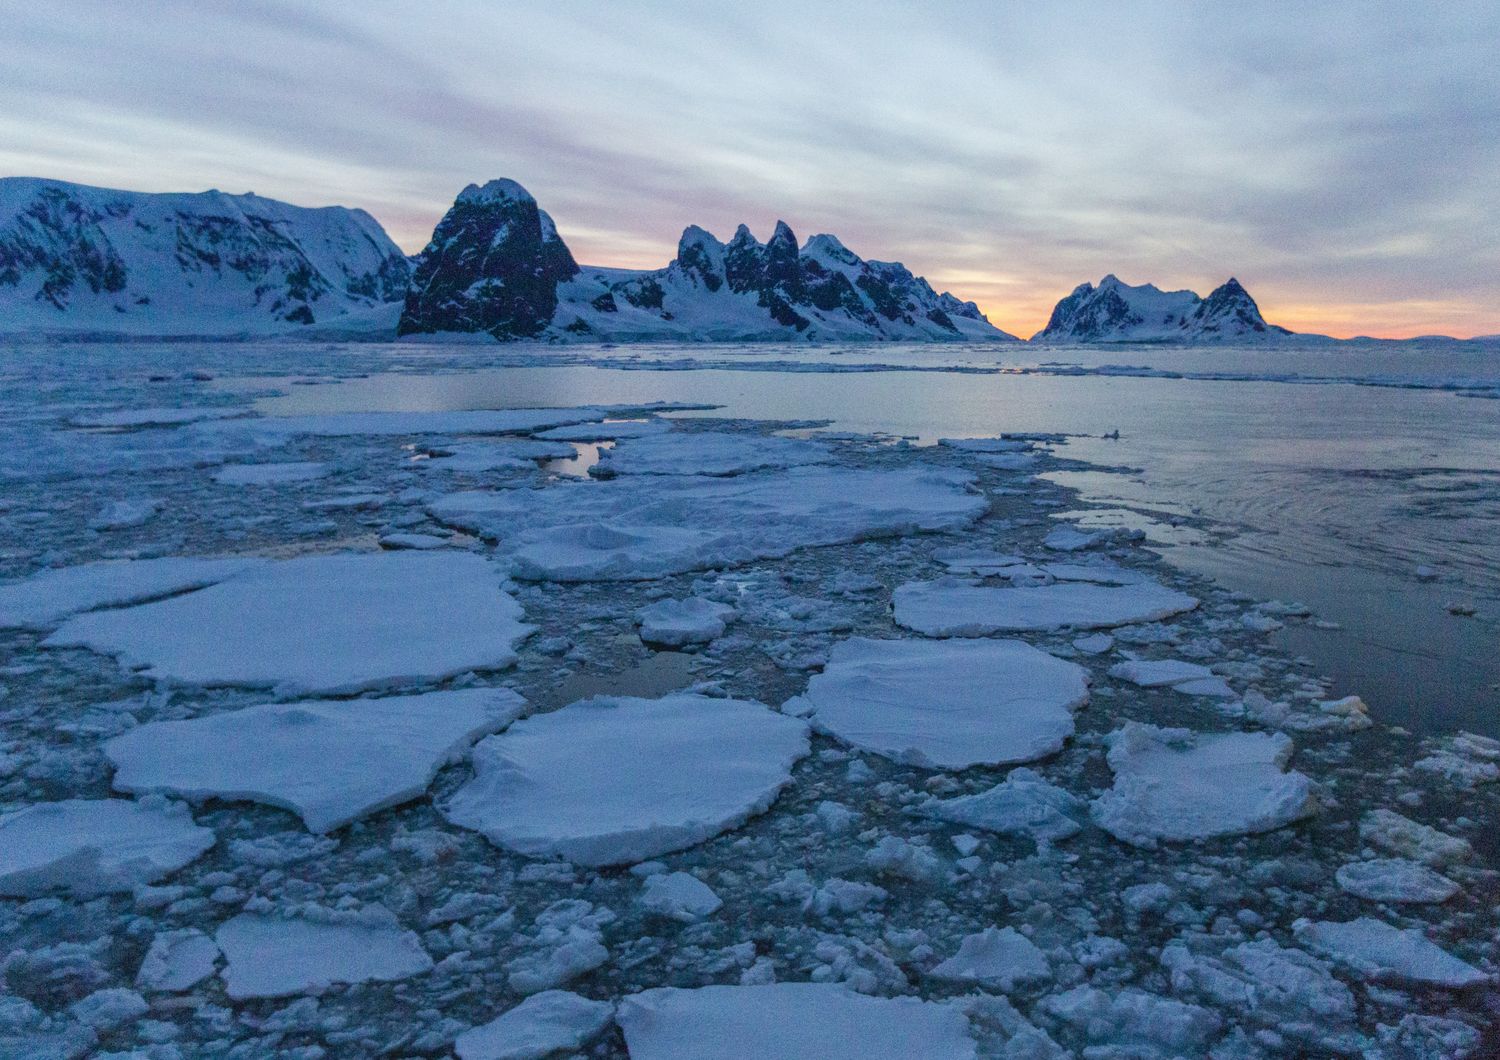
953	608
790	1021
319	624
330	762
95	846
946	704
1179	785
614	780
707	453
653	526
49	596
272	955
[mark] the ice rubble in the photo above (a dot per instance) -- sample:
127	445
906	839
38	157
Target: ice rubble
951	608
49	596
680	896
319	624
677	623
945	704
554	1021
126	514
1023	803
178	960
790	1021
271	955
1378	950
1179	785
1395	880
659	525
707	453
614	780
999	957
330	762
95	846
1133	1024
275	474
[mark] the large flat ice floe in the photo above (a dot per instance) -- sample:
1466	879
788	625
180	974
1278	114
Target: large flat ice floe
653	526
614	780
707	453
545	1024
330	762
95	846
1179	785
319	624
1378	950
790	1021
950	608
274	956
945	704
49	596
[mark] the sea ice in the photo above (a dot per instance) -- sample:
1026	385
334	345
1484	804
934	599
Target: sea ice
177	960
274	956
1001	957
272	474
680	896
707	453
947	608
986	445
608	431
946	704
982	561
126	514
49	596
319	623
568	943
1134	1024
1378	950
388	424
1006	461
1389	832
330	762
651	526
554	1021
790	1021
174	416
496	454
1186	677
1395	880
1023	803
614	780
676	623
95	846
1180	785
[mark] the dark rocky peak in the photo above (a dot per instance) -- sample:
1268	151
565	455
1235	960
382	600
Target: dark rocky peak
700	257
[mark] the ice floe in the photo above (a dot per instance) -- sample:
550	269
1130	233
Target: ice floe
790	1021
95	846
1395	880
707	453
495	454
1023	803
156	416
1133	1024
676	623
49	596
998	957
1176	674
680	896
320	623
127	514
563	784
276	955
1377	950
545	1024
1391	833
950	608
652	526
378	424
986	445
608	431
945	704
330	762
1179	785
275	474
178	960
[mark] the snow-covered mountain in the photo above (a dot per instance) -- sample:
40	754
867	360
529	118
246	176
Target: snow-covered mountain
497	265
84	259
1117	312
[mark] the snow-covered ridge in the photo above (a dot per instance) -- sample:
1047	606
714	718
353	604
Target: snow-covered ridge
84	259
1116	311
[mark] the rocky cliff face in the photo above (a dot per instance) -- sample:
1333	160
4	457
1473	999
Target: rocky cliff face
78	258
1118	312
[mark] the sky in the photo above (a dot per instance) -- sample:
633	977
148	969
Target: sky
1342	160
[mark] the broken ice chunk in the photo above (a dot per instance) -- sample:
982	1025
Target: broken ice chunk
551	1022
677	623
1023	803
1395	880
1001	957
680	896
1378	950
177	960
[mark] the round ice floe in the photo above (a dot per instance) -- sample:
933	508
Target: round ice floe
95	846
322	623
707	453
1180	785
274	956
554	1021
957	609
614	780
675	623
1378	950
1395	880
790	1021
330	762
946	704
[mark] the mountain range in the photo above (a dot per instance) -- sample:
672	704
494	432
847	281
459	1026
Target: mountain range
78	259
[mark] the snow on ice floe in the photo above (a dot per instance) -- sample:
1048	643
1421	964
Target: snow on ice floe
1377	950
945	704
49	596
557	785
272	429
95	846
497	454
545	1024
998	957
1180	785
1176	674
178	960
707	453
1395	880
677	623
609	431
156	416
680	896
330	762
1391	833
275	474
951	608
790	1021
1024	803
272	955
319	623
652	526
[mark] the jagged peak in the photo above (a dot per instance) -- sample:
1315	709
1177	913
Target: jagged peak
743	236
694	236
501	190
830	248
783	234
